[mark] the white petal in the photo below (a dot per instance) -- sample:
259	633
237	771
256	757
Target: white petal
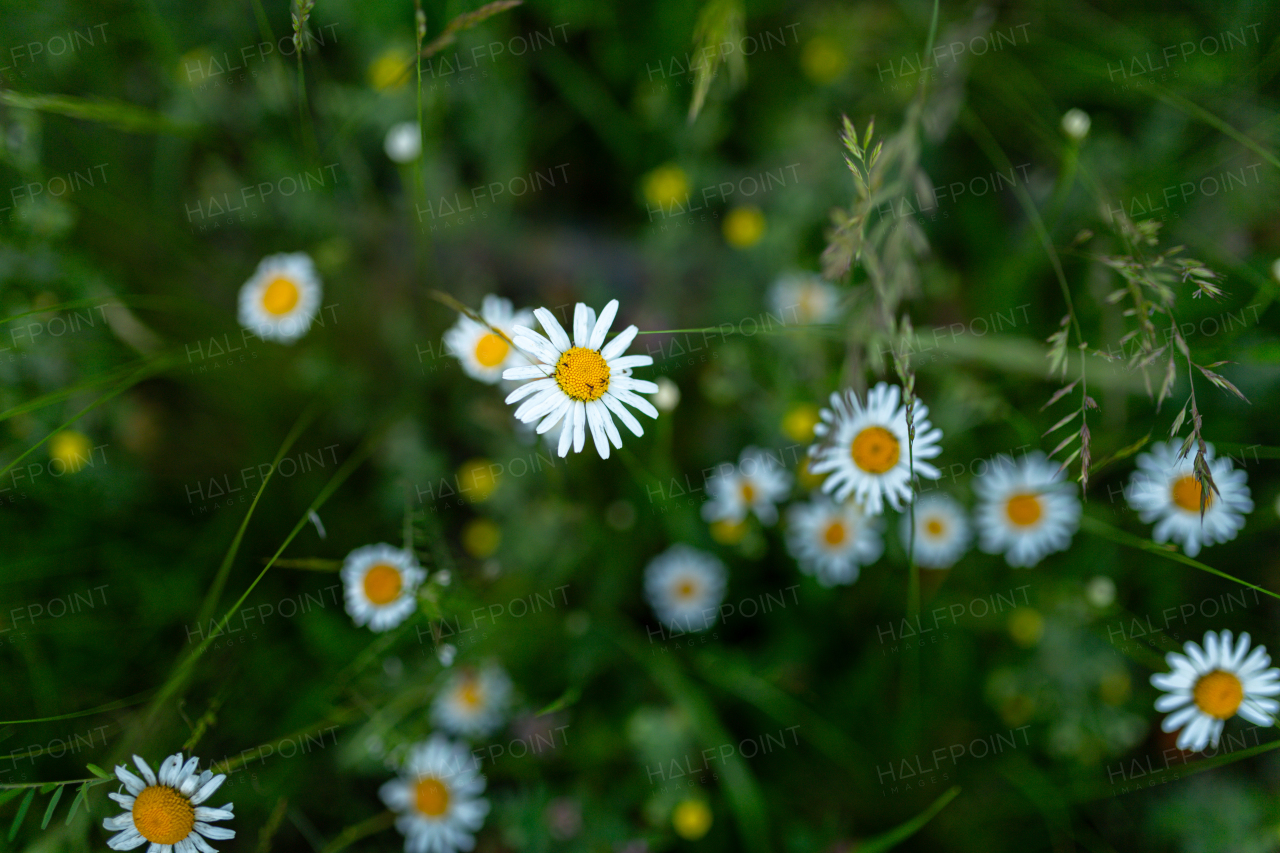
217	833
145	769
532	371
566	433
579	424
553	328
618	345
602	325
527	389
580	331
620	410
628	361
207	789
597	429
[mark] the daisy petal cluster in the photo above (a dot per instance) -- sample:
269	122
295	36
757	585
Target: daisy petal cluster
483	353
164	809
473	703
864	447
1027	510
833	541
381	583
281	298
807	297
1164	490
437	798
685	587
942	532
756	484
581	382
1211	684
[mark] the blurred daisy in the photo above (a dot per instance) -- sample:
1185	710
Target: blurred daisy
473	704
282	297
755	485
1211	685
804	298
437	798
864	448
164	808
589	379
942	531
833	541
381	583
484	354
1164	490
403	143
1027	511
685	587
743	226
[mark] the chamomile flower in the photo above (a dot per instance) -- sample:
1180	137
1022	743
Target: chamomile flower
437	798
1210	685
282	297
1027	510
864	448
381	583
484	354
943	533
1164	490
685	587
164	809
580	382
833	541
757	483
471	703
804	298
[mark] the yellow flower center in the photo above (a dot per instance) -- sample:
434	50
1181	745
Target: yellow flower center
934	527
280	296
1218	694
686	588
748	492
1186	494
875	450
470	693
382	584
162	815
1024	509
582	374
491	350
431	796
835	533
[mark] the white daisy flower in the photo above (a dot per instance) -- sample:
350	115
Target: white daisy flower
403	142
685	587
437	798
589	379
804	298
833	541
473	704
164	809
864	448
282	297
1164	490
943	533
381	585
484	355
1027	510
755	485
1211	685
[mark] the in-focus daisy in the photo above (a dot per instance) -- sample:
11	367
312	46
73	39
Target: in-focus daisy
164	808
757	483
833	541
864	448
580	381
437	798
804	298
943	533
1026	510
484	354
1211	685
381	583
471	703
1164	490
685	587
282	297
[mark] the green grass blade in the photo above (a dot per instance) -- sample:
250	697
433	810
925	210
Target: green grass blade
22	813
117	114
53	804
81	796
894	837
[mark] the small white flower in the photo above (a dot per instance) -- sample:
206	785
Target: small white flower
668	395
943	533
1075	124
164	809
473	704
685	587
1211	685
1164	490
404	142
281	298
833	541
484	354
804	298
757	483
381	585
580	382
864	448
437	798
1026	510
